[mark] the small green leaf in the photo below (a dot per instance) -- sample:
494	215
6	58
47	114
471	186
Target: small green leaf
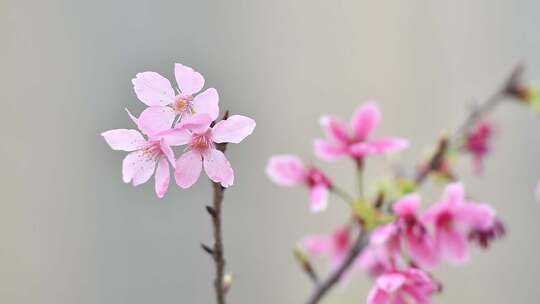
371	217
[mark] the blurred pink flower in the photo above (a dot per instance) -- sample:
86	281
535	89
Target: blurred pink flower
165	105
335	245
454	218
289	170
372	262
419	243
145	157
400	287
385	243
201	138
341	143
478	144
484	236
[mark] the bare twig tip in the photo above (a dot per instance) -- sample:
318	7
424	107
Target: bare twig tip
207	249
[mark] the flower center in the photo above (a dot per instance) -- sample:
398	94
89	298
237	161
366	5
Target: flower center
183	104
201	142
316	177
152	150
445	219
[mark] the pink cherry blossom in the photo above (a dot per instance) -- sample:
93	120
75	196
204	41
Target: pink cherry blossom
165	106
419	243
484	236
454	217
201	152
411	285
478	143
340	142
289	170
372	262
335	245
145	157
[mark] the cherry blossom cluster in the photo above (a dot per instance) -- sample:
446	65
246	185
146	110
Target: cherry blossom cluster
184	116
404	244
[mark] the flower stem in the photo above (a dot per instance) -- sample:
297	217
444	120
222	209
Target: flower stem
342	194
360	177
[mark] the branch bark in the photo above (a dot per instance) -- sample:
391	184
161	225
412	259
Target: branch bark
508	88
217	252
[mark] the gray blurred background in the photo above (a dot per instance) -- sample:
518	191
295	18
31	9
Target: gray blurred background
72	232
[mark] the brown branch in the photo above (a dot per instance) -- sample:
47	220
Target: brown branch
217	252
304	262
324	286
434	162
508	89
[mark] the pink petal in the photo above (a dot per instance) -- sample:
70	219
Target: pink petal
361	149
378	296
131	164
370	262
124	139
365	119
384	145
335	129
188	80
286	170
162	177
329	151
384	234
317	244
378	147
391	282
174	137
169	154
153	89
453	245
423	250
145	170
477	216
454	193
187	169
408	204
156	119
197	123
207	102
218	168
233	130
319	198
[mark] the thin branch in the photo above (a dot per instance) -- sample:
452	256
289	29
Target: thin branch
217	252
507	89
304	262
342	194
360	177
323	287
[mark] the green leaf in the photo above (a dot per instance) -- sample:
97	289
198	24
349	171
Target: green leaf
371	217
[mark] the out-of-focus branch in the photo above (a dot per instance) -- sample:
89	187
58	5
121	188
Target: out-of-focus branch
324	286
304	262
507	89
